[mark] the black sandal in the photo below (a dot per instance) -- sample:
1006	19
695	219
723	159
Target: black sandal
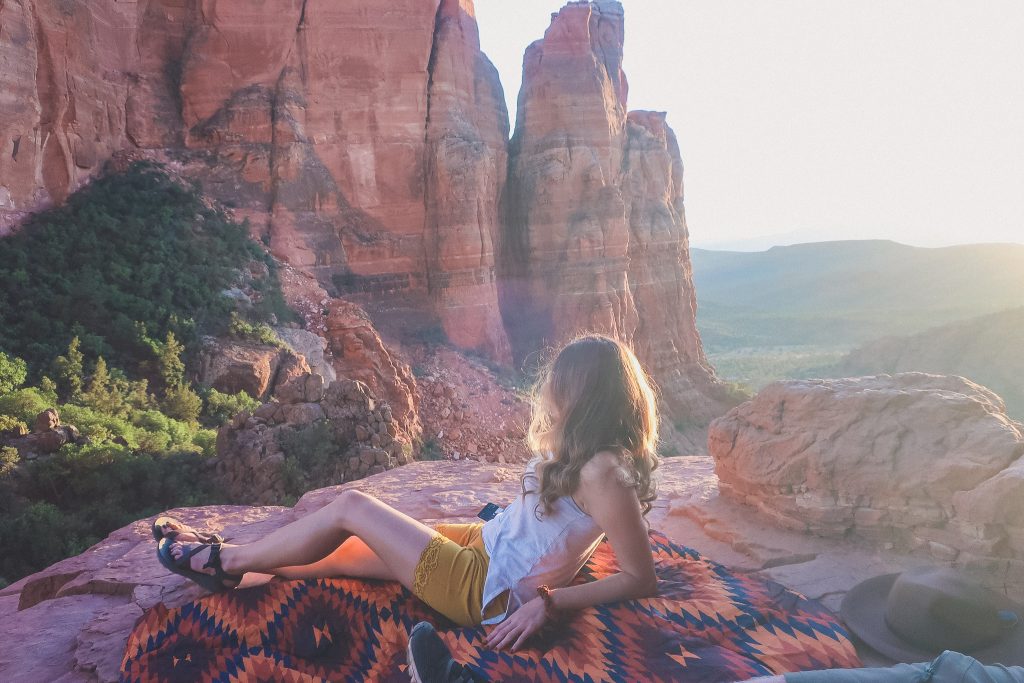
215	583
201	536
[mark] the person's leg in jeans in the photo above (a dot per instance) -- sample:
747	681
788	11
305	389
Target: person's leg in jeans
949	667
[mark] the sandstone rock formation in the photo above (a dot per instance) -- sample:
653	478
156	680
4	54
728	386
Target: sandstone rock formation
359	353
595	236
367	144
310	346
352	433
47	436
917	461
231	366
467	137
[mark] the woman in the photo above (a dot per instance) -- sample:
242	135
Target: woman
595	422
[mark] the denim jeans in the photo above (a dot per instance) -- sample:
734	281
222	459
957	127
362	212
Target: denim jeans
949	667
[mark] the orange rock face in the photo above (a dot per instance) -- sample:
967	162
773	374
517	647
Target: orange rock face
360	354
467	136
63	90
595	236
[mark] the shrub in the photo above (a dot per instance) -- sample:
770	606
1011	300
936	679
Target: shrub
8	460
97	426
13	372
206	441
222	407
182	403
24	404
38	536
241	328
9	423
82	493
127	259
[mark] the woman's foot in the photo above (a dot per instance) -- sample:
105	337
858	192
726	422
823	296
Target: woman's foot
198	562
169	527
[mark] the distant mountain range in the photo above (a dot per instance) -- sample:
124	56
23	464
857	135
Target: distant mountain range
988	350
843	294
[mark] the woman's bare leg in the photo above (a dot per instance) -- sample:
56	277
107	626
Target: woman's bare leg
352	558
316	540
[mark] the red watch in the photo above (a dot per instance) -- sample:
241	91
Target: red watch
549	602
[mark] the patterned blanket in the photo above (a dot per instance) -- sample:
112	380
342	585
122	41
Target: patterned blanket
706	624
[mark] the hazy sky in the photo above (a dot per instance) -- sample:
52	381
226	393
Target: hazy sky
803	120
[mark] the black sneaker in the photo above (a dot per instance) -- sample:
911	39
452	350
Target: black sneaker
430	661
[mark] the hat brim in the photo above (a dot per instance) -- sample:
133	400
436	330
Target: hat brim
863	611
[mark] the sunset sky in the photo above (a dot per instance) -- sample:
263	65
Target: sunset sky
805	120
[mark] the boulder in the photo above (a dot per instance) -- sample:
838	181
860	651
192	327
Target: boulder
46	421
310	346
914	460
48	435
231	366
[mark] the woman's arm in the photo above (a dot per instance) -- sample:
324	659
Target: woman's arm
616	509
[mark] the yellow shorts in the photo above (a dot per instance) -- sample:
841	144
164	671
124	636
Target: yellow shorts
451	572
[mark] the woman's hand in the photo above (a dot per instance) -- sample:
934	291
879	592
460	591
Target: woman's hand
515	630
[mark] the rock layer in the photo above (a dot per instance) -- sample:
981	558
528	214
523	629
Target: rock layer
595	236
918	461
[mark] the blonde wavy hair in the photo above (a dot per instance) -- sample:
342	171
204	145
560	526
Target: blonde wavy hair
594	396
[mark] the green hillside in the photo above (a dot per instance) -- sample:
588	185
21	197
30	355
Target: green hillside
840	294
988	350
792	312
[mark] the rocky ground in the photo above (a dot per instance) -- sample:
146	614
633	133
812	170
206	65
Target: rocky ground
71	620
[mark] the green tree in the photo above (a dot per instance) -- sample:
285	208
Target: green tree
13	372
182	403
70	370
98	395
169	363
222	407
8	460
48	389
9	423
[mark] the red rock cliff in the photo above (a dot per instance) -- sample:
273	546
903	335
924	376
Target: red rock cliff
367	143
595	234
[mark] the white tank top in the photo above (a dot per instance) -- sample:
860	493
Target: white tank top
528	547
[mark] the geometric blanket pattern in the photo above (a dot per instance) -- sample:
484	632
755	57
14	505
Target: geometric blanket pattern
706	624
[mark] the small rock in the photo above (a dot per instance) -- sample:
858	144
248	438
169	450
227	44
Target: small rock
46	421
